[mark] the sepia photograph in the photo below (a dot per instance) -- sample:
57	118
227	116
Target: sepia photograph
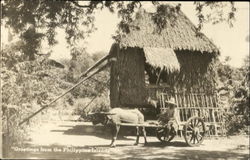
124	80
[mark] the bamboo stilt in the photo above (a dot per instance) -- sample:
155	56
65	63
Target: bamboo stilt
211	100
184	100
196	101
206	97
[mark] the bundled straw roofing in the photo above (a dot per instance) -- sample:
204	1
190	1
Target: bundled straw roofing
178	35
162	58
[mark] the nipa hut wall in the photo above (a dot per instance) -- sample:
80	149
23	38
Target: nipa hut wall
127	88
114	77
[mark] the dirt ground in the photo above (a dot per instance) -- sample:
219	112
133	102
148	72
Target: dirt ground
68	139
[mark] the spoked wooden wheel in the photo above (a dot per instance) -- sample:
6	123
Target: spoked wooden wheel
194	131
164	134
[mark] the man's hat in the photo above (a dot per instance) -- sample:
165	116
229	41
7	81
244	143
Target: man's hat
171	101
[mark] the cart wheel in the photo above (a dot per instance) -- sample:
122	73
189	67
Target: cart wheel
194	131
164	135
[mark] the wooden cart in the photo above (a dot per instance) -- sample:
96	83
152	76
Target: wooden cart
199	114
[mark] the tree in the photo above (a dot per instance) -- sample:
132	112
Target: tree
242	93
80	62
32	41
236	82
26	86
77	18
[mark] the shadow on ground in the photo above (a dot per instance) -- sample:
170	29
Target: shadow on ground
98	131
163	145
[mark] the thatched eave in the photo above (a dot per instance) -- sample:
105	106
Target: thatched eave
164	58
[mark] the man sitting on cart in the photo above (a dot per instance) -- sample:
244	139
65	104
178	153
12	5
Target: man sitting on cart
169	118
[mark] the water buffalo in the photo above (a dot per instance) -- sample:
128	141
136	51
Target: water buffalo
116	116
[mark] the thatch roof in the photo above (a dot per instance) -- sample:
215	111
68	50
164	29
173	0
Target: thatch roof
162	58
178	35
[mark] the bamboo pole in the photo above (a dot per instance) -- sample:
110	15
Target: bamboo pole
158	78
212	101
180	99
179	106
208	101
176	98
190	100
215	123
163	101
184	105
203	100
184	114
196	100
184	100
187	99
191	97
206	97
215	100
94	66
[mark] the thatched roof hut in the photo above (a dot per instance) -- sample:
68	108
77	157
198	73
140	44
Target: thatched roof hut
178	34
175	54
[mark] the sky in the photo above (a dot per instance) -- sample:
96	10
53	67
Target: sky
232	41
